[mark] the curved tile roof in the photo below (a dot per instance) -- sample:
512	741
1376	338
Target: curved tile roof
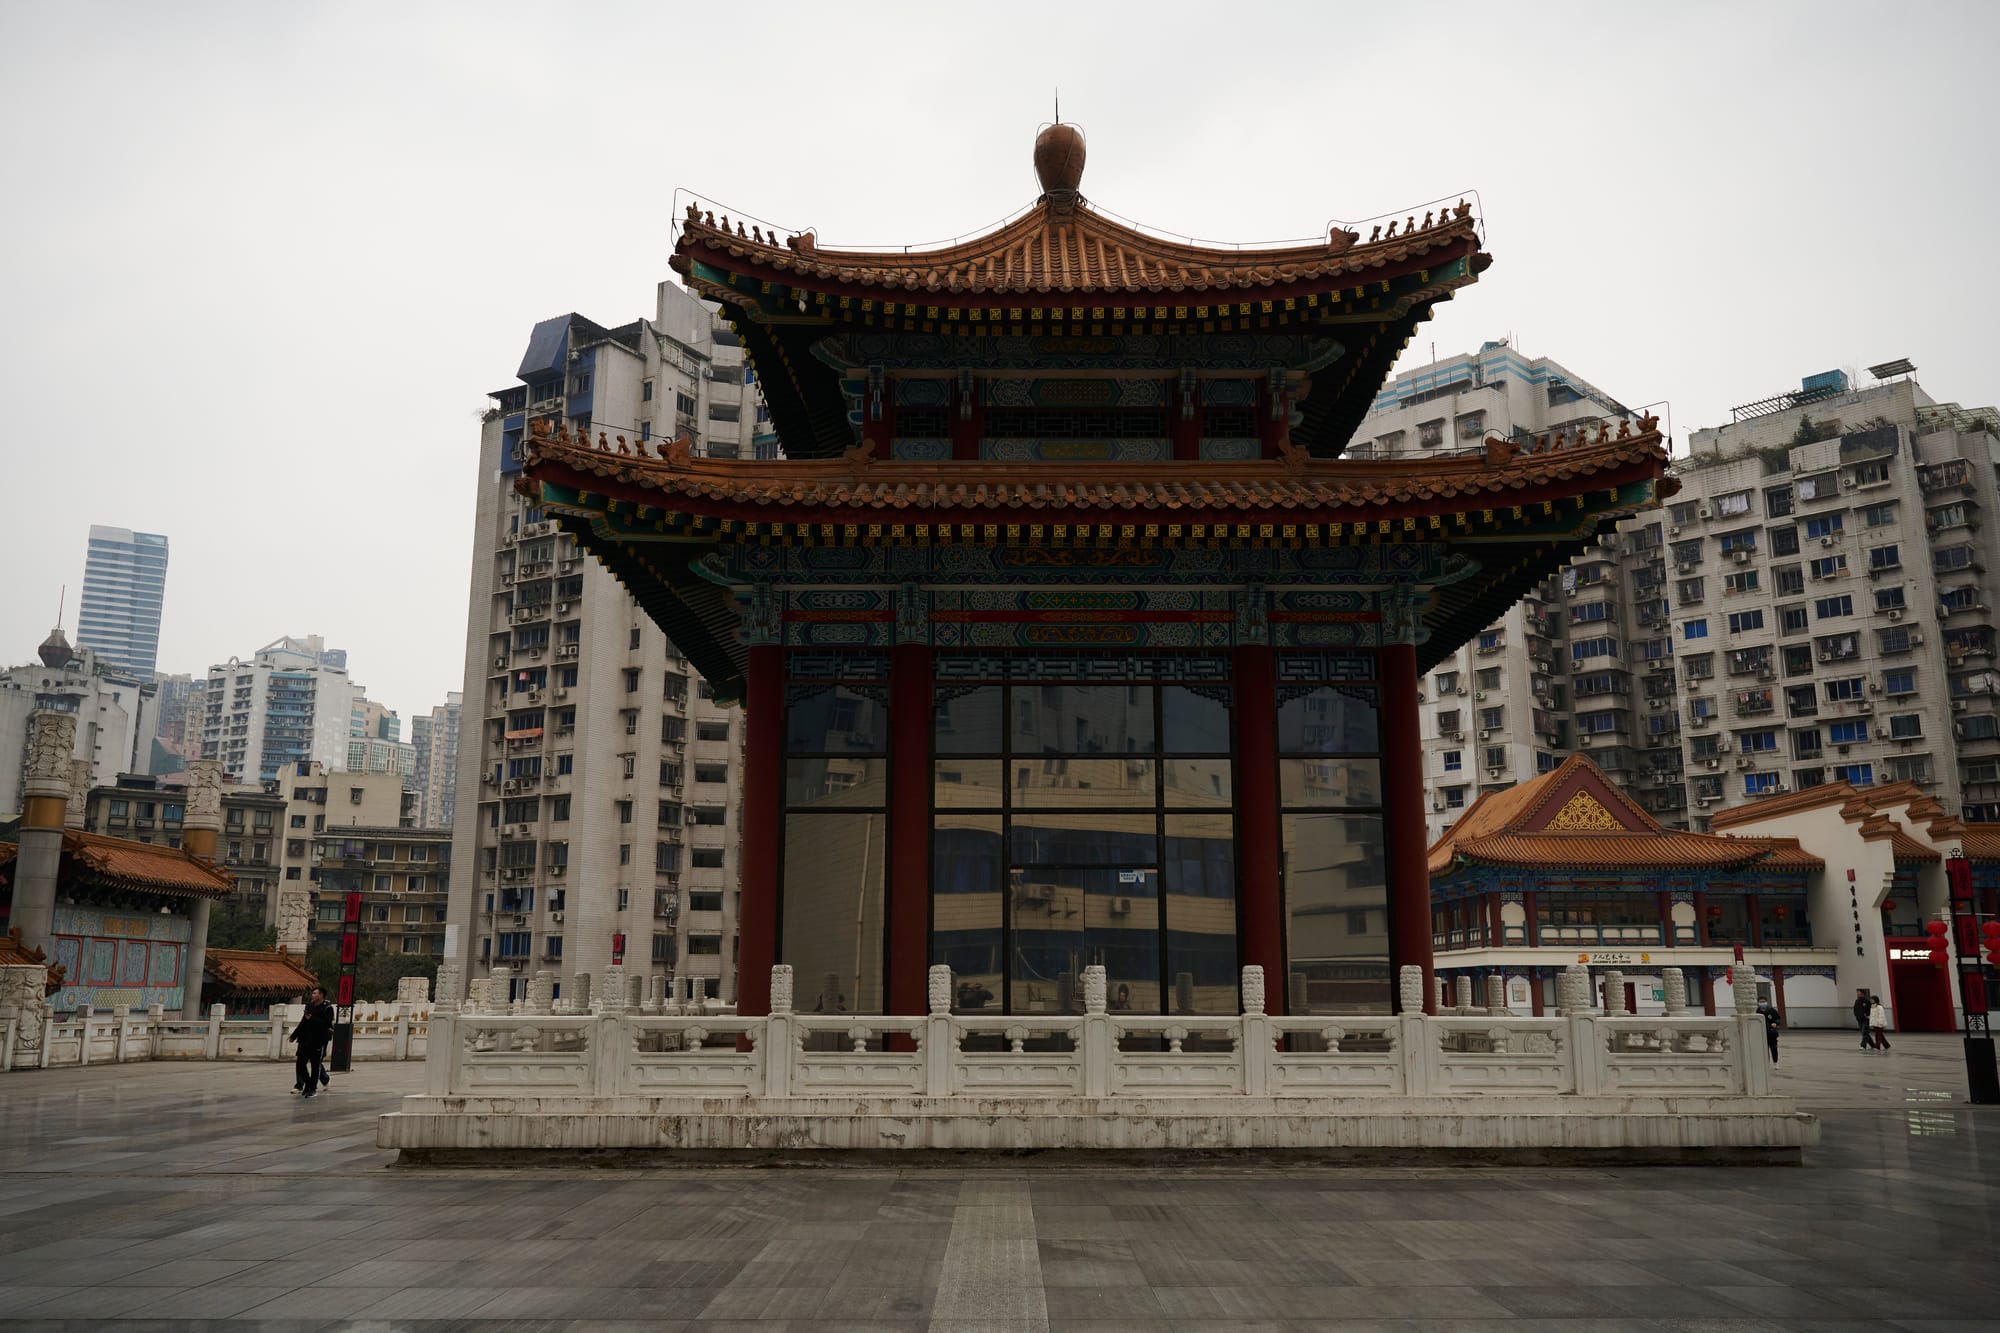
142	866
1063	247
1294	486
1527	826
260	971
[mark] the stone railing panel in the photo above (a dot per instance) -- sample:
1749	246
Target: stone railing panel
1025	1055
837	1055
523	1055
1677	1055
1175	1056
1498	1054
699	1055
1336	1055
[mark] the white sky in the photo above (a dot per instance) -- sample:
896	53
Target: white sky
260	263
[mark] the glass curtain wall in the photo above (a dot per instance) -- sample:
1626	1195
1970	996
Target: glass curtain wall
1075	825
836	846
1336	883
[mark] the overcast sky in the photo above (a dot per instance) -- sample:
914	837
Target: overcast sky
260	263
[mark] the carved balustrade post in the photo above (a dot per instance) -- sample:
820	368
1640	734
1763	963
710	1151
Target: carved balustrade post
1253	1045
940	1048
1614	994
1750	1054
441	1052
780	1039
1496	994
1097	1036
1416	1035
1673	987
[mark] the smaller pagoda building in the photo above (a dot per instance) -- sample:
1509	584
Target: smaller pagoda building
251	981
1567	869
124	920
1066	635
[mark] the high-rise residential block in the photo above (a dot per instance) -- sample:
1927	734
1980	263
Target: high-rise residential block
1505	706
292	703
597	778
124	586
435	739
1830	615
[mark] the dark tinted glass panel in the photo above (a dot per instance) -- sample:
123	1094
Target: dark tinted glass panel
1193	722
832	930
1337	914
966	903
1199	875
1329	720
1084	838
1330	781
1082	719
1066	918
836	719
968	784
1197	783
967	721
1059	781
836	780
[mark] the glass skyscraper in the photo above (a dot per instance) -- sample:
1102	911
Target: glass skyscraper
124	582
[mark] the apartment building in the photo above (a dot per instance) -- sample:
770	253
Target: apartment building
291	703
1537	684
1830	616
597	778
403	876
144	808
435	740
117	714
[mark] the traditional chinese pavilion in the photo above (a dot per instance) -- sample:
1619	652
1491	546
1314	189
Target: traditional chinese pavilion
1568	870
1066	635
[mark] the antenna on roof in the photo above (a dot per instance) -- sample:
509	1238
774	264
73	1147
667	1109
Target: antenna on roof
62	602
1058	106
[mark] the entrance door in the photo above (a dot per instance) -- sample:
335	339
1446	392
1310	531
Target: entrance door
1923	996
1063	919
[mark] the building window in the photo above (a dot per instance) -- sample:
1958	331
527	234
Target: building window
631	680
1847	733
624	812
1451	761
1695	629
1832	608
1739	621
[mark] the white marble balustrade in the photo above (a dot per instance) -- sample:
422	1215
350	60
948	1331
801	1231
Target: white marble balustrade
616	1053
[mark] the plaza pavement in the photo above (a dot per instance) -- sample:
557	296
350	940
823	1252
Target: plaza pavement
206	1196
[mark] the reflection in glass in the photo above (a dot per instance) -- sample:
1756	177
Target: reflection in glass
1193	721
968	784
1053	780
1083	719
1332	719
836	780
966	907
1088	838
1337	914
1197	782
966	719
836	719
1330	781
1199	872
1066	918
832	931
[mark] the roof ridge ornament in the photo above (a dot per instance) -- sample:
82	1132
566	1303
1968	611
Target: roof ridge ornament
1059	157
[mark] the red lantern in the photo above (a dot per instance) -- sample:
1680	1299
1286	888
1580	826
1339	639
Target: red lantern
1991	930
1937	928
1715	910
1780	913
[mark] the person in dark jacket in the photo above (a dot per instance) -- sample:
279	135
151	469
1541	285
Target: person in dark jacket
1772	1021
312	1034
1861	1006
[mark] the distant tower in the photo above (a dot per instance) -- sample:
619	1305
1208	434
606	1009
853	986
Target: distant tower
124	584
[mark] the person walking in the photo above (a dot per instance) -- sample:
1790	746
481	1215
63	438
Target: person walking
1772	1021
1878	1022
1861	1008
313	1032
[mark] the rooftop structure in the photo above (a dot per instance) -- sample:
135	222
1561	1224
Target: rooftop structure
124	587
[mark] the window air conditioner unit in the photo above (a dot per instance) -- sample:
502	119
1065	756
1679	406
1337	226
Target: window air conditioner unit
1673	532
1484	735
1742	764
1437	805
1826	657
1480	695
1584	739
510	786
1895	615
1848	483
1740	557
1874	687
1038	892
1715	763
1704	511
1493	772
1864	707
562	607
1701	721
1826	541
1958	705
1916	639
557	869
500	663
1454	735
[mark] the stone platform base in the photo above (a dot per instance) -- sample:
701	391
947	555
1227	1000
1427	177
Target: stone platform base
495	1131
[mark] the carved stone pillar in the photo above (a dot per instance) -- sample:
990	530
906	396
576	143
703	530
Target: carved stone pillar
81	771
45	792
541	992
1496	993
1614	993
1674	987
1575	990
21	999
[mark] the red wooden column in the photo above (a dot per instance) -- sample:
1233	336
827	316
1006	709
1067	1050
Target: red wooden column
763	807
909	827
1255	718
1403	809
